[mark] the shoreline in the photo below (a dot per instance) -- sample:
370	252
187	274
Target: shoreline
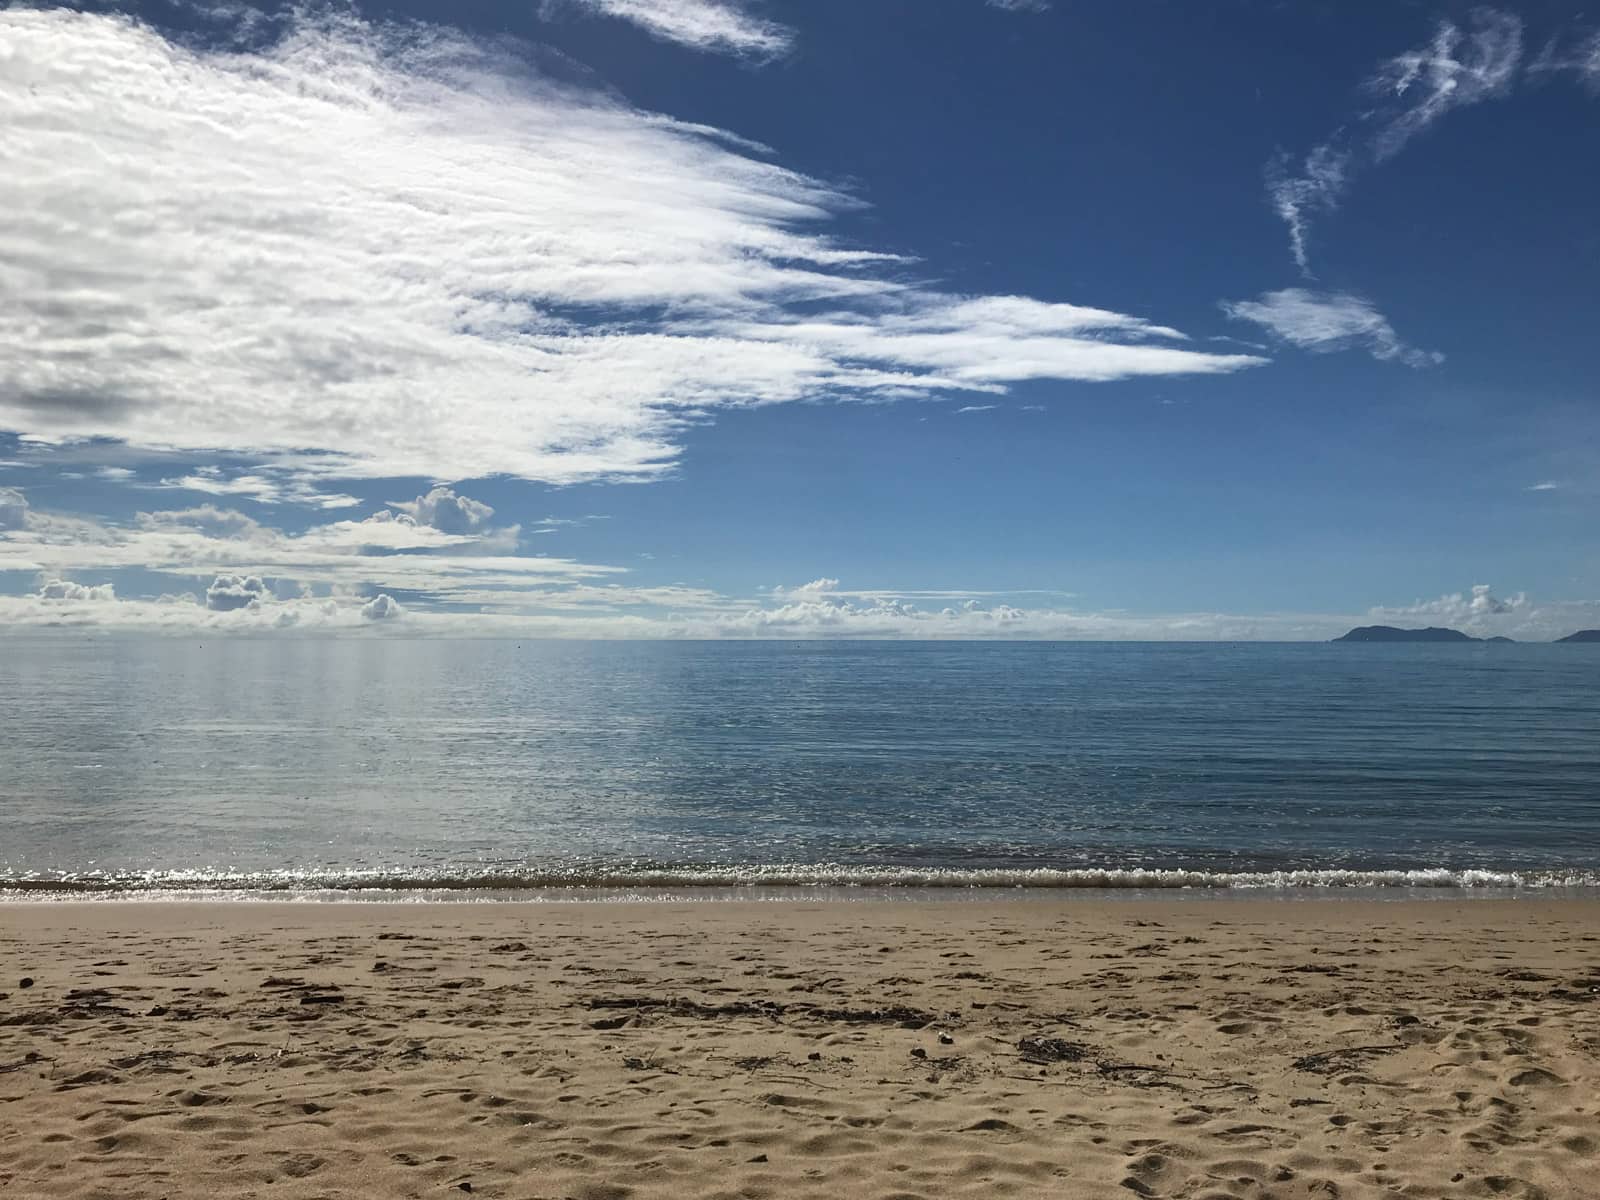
852	894
1169	1047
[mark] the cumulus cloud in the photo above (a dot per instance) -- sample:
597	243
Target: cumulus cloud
1412	91
1465	608
817	587
720	26
228	592
446	511
388	250
381	607
1482	613
13	508
65	589
1323	322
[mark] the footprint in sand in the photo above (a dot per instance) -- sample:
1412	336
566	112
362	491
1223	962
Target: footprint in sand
1147	1175
298	1166
1536	1077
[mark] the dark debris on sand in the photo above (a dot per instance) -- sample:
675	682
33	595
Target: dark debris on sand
892	1014
1041	1051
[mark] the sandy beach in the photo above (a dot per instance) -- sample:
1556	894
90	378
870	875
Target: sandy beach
1286	1049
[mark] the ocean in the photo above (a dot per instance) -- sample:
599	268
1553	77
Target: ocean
480	768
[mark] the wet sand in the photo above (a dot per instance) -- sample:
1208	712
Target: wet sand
1304	1050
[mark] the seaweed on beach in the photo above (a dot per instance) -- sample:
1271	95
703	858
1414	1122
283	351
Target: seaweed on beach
1042	1051
1328	1062
892	1014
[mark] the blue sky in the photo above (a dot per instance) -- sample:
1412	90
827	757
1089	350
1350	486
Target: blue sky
845	317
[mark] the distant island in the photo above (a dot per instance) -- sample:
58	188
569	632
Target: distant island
1391	633
1388	633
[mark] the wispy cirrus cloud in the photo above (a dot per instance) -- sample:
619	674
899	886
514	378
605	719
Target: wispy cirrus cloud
1456	68
379	250
1324	322
1300	193
263	487
714	26
1578	56
1412	91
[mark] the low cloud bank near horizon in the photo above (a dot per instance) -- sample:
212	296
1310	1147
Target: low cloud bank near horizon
391	573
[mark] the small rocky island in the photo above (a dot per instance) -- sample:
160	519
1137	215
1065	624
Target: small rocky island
1389	633
1583	635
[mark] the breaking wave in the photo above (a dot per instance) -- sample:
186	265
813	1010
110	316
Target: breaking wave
492	883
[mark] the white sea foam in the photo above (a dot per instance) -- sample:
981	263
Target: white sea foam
484	883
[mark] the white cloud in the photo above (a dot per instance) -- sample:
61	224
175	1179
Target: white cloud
672	613
1314	189
13	508
1453	70
1481	613
966	408
206	519
1478	611
264	487
228	592
817	587
723	26
562	604
378	251
1323	322
65	589
983	343
180	614
1020	5
381	607
1581	58
446	511
237	554
1547	485
1480	601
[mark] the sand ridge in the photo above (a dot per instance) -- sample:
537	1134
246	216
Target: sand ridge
1195	1050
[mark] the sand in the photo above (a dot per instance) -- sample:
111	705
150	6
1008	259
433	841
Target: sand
1193	1049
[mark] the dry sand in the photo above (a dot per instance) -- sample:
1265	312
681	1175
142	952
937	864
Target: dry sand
1073	1049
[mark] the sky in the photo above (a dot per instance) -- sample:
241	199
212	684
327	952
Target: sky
806	318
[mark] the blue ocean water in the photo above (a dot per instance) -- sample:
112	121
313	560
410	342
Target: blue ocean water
316	764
